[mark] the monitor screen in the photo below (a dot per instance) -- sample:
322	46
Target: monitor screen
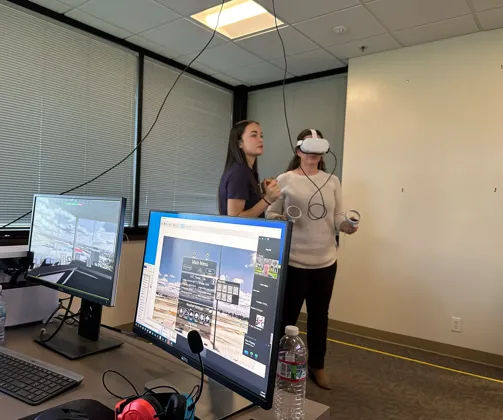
75	243
222	276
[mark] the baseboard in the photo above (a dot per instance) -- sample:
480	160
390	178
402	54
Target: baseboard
416	343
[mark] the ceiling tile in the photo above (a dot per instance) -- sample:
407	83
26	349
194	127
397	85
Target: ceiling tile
75	3
189	7
491	19
257	74
182	36
152	46
372	45
98	23
309	62
226	56
293	11
404	14
196	65
480	5
132	15
360	23
268	46
436	31
55	5
227	79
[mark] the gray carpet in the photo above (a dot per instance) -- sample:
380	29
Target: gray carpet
372	386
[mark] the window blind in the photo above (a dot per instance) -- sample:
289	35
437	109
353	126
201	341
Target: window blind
183	158
67	112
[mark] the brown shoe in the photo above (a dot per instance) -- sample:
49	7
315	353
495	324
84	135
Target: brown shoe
319	377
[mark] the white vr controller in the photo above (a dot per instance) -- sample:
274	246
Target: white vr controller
353	217
313	145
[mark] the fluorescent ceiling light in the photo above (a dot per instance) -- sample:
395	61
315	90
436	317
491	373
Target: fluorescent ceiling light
238	18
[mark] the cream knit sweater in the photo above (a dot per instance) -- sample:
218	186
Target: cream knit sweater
313	241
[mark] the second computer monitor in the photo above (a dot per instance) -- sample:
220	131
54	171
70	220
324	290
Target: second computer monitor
223	277
75	242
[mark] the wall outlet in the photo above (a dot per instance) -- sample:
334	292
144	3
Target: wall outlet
456	324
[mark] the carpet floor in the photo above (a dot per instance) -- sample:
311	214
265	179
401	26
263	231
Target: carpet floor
371	383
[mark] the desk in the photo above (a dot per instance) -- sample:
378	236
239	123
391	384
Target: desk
138	361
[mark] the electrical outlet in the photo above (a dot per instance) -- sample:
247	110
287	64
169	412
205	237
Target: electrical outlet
456	324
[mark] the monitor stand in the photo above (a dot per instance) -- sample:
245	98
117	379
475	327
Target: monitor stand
216	403
75	344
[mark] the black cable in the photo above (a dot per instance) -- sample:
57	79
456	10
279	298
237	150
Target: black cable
202	380
160	387
42	331
310	204
118	330
151	127
123	377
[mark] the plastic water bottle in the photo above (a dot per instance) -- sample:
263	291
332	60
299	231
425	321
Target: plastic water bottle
291	376
3	317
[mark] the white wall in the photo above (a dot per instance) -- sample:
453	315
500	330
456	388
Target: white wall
428	119
318	103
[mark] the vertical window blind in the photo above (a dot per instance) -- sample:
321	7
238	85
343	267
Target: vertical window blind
67	113
183	158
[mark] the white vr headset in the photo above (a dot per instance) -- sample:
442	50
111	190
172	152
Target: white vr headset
314	145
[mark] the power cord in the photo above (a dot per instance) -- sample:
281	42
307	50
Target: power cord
123	377
65	317
310	204
148	132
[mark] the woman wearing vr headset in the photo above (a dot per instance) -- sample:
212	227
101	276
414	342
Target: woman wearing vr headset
313	252
239	193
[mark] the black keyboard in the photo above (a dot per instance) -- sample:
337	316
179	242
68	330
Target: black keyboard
31	380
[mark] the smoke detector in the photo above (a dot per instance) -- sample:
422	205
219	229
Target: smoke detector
339	29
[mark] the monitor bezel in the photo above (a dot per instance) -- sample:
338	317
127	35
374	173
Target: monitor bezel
118	248
191	360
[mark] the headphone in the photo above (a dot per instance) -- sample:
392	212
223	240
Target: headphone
166	405
150	406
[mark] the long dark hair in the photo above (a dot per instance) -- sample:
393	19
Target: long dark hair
236	155
295	162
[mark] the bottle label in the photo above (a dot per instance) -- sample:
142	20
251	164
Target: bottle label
290	370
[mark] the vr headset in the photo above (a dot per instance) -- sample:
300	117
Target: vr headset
313	145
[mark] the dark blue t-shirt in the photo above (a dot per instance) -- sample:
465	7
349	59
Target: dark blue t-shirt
239	182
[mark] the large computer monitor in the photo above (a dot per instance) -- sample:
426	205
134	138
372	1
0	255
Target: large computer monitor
224	277
75	244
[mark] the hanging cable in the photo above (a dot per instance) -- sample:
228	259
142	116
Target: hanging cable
148	132
310	204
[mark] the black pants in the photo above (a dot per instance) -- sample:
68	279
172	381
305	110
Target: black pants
315	287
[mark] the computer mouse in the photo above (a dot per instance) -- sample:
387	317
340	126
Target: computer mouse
62	414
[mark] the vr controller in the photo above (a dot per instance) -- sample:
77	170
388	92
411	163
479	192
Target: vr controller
353	217
313	145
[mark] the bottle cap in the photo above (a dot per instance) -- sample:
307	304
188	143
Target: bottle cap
292	331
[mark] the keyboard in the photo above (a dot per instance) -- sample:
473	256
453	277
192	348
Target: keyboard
31	380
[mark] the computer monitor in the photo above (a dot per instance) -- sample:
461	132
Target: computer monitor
224	277
75	245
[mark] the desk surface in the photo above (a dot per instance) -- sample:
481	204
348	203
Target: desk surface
138	361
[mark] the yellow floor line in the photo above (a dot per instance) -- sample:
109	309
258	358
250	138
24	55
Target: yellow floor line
408	359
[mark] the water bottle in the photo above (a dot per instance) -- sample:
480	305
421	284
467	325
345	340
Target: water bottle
3	317
291	376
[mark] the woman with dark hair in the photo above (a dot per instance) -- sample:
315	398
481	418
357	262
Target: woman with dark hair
239	193
313	251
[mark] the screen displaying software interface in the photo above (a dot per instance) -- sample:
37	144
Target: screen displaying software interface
219	278
74	243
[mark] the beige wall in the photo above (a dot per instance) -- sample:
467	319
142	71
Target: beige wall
127	287
427	120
